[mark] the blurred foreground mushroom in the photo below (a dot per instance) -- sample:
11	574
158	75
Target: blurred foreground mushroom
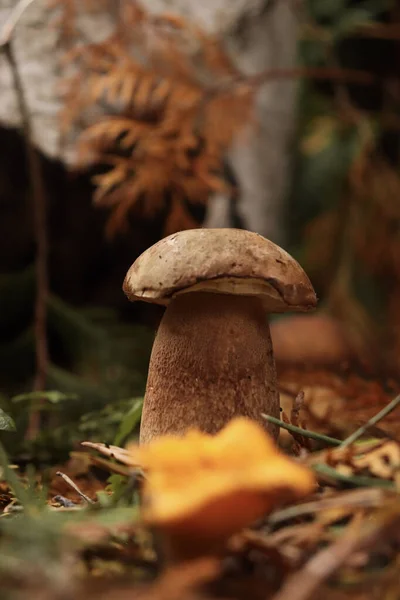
212	357
201	489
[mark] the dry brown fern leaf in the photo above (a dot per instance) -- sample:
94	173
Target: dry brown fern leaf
160	103
66	13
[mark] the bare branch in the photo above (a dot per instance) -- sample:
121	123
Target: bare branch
73	485
39	212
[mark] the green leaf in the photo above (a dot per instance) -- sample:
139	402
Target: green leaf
104	500
129	422
52	396
6	422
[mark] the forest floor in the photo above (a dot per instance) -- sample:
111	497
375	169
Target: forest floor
66	535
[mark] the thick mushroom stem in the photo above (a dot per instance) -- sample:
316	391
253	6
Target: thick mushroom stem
212	360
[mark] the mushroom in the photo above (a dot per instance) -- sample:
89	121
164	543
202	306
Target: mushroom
212	356
201	489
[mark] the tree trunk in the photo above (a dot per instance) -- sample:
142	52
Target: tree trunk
259	34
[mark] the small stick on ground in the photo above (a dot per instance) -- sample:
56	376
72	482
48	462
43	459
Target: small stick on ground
296	408
301	585
75	487
364	498
39	213
301	443
305	582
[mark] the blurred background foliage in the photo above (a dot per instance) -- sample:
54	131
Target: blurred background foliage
343	222
98	366
344	203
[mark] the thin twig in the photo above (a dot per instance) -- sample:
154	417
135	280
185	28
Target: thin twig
300	442
255	540
302	584
304	432
297	405
109	466
39	213
127	457
368	497
75	487
373	421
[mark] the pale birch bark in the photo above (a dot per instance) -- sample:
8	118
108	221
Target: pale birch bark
259	34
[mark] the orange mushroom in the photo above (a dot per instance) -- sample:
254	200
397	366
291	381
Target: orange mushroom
201	489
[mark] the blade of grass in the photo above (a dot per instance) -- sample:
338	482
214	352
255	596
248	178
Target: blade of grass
354	480
304	432
373	421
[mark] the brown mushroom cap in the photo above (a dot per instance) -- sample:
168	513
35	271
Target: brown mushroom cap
230	261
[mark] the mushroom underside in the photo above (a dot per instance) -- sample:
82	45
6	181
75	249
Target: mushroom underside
212	360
